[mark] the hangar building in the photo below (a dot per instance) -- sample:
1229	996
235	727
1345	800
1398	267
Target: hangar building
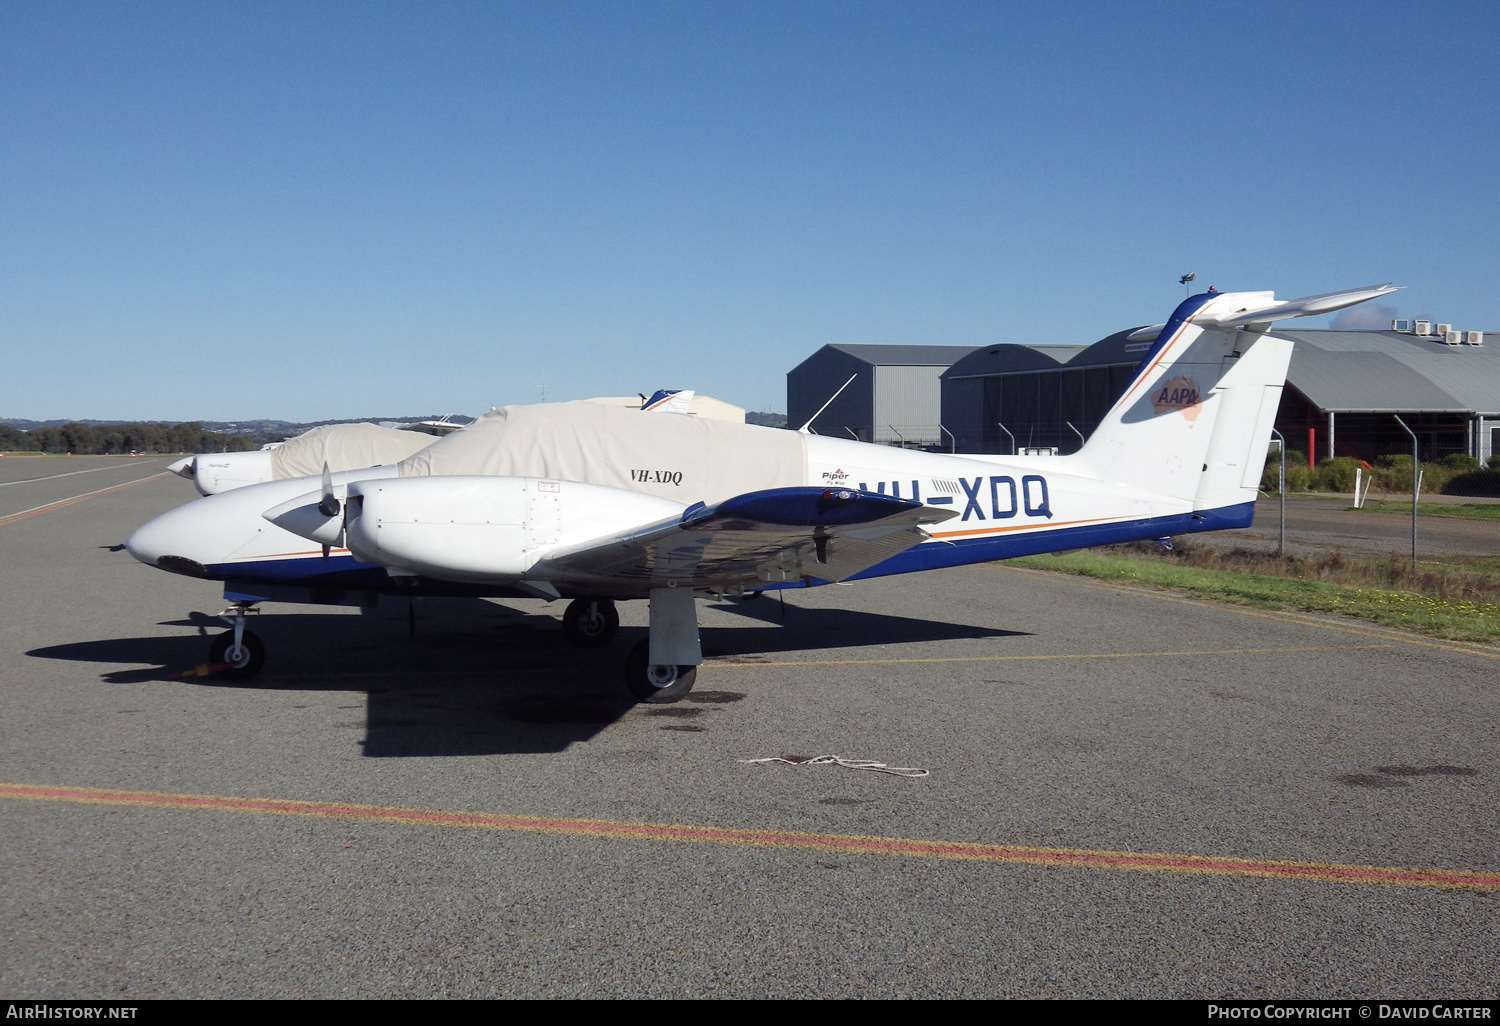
894	397
1342	388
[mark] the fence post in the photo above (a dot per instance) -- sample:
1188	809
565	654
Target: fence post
1281	482
1081	440
1415	484
1012	437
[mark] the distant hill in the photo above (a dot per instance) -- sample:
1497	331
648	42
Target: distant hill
260	430
776	420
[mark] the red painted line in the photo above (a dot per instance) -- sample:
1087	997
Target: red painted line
849	844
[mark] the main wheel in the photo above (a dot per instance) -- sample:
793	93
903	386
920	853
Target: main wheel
591	623
656	684
251	657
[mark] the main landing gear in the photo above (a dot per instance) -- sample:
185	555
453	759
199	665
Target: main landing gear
239	651
660	669
664	667
591	623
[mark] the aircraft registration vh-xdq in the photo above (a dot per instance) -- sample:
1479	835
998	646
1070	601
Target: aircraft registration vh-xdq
599	504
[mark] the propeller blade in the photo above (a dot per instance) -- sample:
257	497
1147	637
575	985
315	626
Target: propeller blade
329	506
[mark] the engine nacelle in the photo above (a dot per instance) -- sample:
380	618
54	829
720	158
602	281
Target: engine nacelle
485	529
222	471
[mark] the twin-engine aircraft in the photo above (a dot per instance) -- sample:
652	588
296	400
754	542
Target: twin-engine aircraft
599	504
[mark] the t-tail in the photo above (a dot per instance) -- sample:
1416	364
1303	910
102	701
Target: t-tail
1195	422
669	400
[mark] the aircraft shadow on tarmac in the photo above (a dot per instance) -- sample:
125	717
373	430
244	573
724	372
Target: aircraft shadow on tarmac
484	679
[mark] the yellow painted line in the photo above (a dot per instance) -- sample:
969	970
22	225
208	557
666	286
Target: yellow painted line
730	662
37	511
1075	858
1297	619
1026	658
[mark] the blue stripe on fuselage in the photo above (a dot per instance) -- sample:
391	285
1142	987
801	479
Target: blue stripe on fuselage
936	554
339	571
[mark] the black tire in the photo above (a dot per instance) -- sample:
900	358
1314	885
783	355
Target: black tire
255	656
645	689
591	623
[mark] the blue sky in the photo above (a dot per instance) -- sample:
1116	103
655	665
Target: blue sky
314	210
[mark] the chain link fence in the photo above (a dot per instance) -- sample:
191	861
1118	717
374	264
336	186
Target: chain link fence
1449	514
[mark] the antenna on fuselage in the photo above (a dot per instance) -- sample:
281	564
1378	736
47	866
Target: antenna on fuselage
804	429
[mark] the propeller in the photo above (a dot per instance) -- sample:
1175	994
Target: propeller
329	504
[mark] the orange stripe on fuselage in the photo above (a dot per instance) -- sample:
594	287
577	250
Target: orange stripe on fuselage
1027	527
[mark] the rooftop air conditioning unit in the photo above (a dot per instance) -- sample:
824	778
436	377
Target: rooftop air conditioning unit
1442	329
1401	326
1473	338
1453	338
1422	327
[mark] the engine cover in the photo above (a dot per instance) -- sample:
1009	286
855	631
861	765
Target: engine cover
485	529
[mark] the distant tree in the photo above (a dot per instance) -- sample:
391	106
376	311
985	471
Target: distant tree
15	440
79	438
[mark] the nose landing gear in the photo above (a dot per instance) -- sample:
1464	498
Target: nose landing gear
591	623
238	651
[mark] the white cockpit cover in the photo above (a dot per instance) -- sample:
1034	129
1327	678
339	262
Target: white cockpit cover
344	447
672	455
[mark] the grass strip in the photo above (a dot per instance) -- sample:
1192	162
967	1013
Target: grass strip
1460	619
1454	511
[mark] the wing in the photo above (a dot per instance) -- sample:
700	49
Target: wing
779	535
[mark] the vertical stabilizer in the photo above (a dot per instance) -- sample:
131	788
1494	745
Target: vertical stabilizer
1194	423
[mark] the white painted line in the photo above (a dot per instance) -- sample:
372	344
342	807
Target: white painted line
93	470
8	517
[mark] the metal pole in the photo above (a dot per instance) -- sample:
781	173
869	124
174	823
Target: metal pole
952	442
1081	440
1414	486
1281	481
898	434
1012	437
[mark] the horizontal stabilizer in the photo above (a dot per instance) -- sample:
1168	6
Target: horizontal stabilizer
1262	308
1235	314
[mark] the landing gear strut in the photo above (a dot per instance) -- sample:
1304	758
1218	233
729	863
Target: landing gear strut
591	623
663	667
657	684
239	648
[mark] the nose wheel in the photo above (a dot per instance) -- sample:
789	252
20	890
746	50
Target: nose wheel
241	662
591	623
238	652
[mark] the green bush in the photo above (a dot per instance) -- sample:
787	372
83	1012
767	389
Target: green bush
1296	472
1335	475
1475	482
1458	461
1494	462
1393	473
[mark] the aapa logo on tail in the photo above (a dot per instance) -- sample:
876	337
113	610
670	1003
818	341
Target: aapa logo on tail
1180	394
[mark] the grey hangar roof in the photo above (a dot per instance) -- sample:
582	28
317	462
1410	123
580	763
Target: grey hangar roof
1338	371
1391	372
904	356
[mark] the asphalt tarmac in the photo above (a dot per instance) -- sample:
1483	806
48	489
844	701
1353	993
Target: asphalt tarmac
1131	793
1317	526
